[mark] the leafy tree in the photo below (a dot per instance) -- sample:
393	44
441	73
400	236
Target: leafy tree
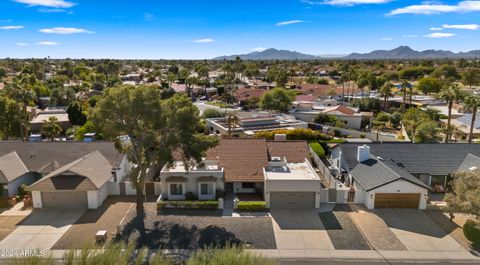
464	196
51	128
10	118
471	77
279	75
155	129
277	99
323	118
450	94
23	97
3	73
76	116
472	103
367	104
252	103
427	132
428	85
412	120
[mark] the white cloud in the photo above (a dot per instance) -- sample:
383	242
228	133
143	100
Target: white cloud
289	22
433	8
205	40
148	17
439	35
409	36
387	39
5	21
47	3
23	44
63	31
11	27
354	2
436	29
464	26
55	10
258	49
47	43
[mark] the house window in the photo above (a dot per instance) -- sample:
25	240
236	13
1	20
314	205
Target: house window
176	189
206	189
248	185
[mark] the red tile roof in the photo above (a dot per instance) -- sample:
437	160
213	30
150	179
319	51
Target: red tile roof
245	93
293	151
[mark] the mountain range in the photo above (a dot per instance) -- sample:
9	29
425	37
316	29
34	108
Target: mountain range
402	52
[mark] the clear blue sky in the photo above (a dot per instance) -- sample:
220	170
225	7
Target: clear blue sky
200	29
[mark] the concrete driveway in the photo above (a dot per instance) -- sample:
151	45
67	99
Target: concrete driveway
41	229
417	231
297	229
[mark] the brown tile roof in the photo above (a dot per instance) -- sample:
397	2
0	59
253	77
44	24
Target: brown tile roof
293	151
90	172
243	94
342	109
307	98
315	90
243	159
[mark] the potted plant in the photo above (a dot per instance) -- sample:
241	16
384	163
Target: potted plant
12	200
27	200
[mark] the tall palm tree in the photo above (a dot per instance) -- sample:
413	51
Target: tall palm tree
51	128
232	121
450	94
405	85
386	92
472	103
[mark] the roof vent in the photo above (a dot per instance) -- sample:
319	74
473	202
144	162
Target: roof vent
276	159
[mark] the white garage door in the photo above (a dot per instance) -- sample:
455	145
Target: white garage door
65	199
292	200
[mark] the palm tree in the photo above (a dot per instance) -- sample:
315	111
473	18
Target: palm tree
386	92
405	85
24	97
51	128
472	103
412	119
450	94
232	121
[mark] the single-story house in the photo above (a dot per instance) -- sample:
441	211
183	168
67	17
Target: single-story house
67	174
464	123
402	173
13	173
279	170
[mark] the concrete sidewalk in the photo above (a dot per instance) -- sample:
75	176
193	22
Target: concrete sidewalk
369	255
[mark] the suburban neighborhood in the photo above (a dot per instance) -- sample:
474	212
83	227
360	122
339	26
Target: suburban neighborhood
154	135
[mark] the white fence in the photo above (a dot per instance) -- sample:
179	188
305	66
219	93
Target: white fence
324	170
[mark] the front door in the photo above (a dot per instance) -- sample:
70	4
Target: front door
229	186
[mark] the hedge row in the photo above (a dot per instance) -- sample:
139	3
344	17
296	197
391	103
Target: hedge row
187	204
252	206
317	148
295	134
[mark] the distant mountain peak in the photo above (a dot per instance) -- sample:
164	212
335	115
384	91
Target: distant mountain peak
399	53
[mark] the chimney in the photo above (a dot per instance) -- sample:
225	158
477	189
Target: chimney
363	153
280	137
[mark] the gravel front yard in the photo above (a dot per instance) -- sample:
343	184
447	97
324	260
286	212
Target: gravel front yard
192	232
106	217
343	233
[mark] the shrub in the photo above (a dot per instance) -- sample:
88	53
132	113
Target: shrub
23	190
213	113
323	118
471	230
295	134
188	204
234	255
252	206
220	194
317	148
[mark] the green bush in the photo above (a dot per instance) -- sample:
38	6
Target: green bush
188	204
317	148
471	230
233	255
23	190
190	196
295	134
252	206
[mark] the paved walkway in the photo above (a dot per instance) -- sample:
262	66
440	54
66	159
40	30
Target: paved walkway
41	230
228	204
17	210
299	230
